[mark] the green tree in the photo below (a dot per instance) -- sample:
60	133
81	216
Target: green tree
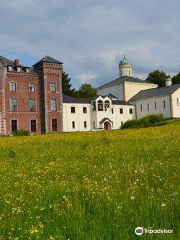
157	77
66	85
176	79
85	91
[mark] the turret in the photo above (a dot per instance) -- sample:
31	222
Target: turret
125	68
168	82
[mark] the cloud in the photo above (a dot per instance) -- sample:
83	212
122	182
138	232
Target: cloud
90	37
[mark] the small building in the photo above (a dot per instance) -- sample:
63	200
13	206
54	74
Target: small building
101	112
164	100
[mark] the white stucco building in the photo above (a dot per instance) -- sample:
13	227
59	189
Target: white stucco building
120	100
101	112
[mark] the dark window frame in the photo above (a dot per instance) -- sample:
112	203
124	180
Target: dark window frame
73	109
121	110
54	124
84	110
14	125
33	125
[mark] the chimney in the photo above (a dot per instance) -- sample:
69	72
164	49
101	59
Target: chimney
16	62
168	82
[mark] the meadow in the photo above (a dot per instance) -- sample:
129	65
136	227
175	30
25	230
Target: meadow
91	185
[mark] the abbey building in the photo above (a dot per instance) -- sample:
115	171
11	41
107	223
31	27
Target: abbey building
31	99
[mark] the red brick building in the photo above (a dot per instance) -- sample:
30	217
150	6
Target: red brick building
30	98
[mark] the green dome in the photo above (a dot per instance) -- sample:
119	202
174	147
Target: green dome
168	79
124	61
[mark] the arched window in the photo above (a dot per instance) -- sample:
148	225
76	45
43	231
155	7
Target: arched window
73	124
94	106
107	104
100	105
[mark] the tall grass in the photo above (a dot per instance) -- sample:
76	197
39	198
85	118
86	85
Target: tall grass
90	186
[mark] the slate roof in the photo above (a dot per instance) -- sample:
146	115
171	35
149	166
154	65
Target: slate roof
122	80
48	59
154	92
120	102
7	62
68	99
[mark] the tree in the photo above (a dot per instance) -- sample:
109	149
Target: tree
176	79
157	77
66	85
85	91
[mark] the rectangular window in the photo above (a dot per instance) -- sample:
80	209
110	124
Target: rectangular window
13	86
53	104
177	101
85	124
112	110
52	87
13	126
141	107
148	106
121	110
130	111
33	125
32	105
73	124
84	109
73	109
155	106
54	125
164	104
32	87
13	104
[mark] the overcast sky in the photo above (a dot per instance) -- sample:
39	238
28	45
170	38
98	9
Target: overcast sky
91	36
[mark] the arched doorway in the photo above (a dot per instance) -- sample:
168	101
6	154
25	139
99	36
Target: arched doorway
106	126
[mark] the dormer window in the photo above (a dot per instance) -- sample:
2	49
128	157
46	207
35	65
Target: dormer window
18	69
10	68
27	70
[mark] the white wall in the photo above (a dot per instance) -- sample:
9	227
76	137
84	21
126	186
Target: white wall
116	117
159	106
117	91
175	104
131	89
78	117
125	70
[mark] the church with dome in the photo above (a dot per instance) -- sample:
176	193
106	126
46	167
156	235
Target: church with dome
31	99
120	100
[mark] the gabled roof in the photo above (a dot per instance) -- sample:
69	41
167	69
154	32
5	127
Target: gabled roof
121	80
105	119
7	61
68	99
48	60
155	92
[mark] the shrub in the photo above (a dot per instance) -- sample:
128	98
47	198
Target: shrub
148	121
21	133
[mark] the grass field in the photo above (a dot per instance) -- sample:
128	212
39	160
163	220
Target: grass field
91	186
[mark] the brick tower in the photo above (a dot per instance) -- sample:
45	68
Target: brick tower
50	74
